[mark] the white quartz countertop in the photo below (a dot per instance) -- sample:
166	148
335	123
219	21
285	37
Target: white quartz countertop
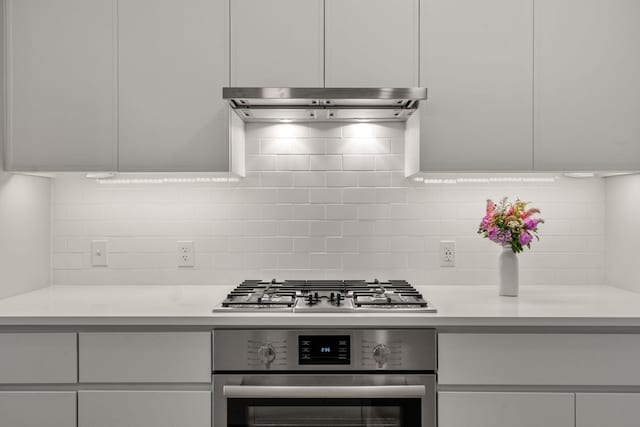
458	306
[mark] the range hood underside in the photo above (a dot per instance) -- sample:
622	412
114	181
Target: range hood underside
324	104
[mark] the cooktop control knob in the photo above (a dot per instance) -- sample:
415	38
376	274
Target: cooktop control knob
266	354
381	355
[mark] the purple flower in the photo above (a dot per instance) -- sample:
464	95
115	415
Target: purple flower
530	223
493	234
525	238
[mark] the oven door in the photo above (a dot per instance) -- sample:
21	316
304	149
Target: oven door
303	400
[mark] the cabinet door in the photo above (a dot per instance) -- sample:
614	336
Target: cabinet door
61	85
33	408
371	43
476	62
462	409
144	408
610	409
172	65
587	91
277	43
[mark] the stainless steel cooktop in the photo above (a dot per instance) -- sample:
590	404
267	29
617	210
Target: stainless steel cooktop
325	296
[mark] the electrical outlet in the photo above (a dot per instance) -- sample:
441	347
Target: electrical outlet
447	253
186	254
99	253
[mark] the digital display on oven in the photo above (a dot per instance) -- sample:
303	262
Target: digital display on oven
324	349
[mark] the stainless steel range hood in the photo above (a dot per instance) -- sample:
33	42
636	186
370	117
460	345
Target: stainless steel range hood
272	104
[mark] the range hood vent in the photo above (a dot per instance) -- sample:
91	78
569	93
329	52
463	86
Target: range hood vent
323	104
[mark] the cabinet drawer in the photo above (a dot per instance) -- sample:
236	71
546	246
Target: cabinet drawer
34	408
607	409
119	408
539	359
38	358
505	409
146	357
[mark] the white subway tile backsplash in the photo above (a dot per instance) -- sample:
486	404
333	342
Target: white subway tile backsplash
325	195
325	163
358	163
320	201
293	163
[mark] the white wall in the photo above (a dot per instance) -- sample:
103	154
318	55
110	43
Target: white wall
24	233
25	213
623	232
319	202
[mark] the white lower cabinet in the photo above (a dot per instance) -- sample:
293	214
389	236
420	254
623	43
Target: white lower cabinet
38	408
607	409
116	408
483	409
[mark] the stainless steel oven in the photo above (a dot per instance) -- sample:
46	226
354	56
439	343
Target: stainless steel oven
322	378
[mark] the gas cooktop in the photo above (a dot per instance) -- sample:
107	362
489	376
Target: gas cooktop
325	296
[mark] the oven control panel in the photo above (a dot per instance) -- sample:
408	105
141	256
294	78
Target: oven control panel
317	350
324	349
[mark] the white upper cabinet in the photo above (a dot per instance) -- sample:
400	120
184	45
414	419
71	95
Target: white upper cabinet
587	90
277	43
476	61
372	43
172	67
61	85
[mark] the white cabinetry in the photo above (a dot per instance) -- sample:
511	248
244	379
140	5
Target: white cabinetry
476	61
539	359
587	91
371	43
30	358
607	409
277	43
145	357
61	85
38	408
172	67
178	364
144	408
461	409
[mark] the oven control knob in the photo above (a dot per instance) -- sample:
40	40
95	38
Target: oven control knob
381	355
266	354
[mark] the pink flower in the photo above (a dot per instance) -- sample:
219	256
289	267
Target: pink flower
525	238
530	223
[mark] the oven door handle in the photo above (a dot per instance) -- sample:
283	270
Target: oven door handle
323	392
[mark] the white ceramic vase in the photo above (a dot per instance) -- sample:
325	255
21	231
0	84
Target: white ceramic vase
508	270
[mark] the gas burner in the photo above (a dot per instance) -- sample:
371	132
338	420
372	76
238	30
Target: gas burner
325	296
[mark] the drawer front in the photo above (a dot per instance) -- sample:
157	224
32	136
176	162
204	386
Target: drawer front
146	357
38	358
539	359
607	409
144	408
29	409
505	409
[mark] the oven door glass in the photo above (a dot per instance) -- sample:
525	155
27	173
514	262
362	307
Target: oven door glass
294	412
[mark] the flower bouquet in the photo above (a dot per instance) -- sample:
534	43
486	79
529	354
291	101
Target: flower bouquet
510	224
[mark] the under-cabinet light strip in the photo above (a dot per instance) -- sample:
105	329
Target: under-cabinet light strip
489	180
196	180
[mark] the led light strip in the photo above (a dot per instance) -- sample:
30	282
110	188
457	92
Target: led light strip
195	180
489	180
